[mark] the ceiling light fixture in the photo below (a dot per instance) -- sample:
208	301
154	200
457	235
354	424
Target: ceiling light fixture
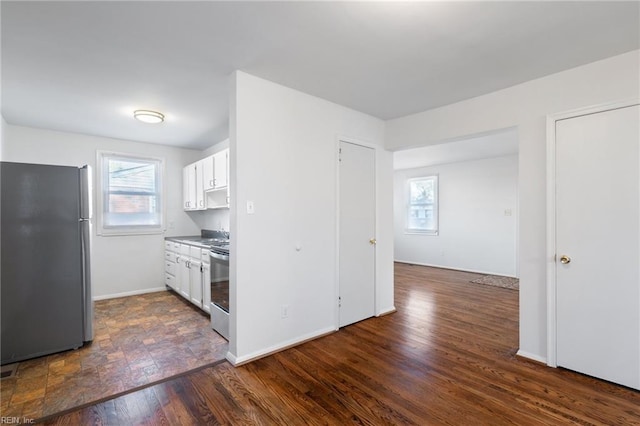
147	116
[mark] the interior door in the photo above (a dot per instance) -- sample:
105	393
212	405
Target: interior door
597	243
357	233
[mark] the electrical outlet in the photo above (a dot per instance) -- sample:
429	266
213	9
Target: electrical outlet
284	311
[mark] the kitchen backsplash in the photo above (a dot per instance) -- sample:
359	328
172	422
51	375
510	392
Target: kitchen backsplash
211	219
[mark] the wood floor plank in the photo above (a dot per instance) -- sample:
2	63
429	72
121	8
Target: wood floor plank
446	357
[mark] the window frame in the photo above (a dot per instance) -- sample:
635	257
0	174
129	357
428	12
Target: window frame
436	206
108	230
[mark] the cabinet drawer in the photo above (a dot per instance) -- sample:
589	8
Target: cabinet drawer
175	246
168	245
170	267
185	249
205	256
194	252
170	280
170	256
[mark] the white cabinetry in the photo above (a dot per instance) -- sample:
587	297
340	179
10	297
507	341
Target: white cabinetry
189	187
206	282
208	177
170	266
184	272
206	183
187	272
220	169
218	196
195	277
200	185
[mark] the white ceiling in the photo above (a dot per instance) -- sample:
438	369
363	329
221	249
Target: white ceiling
84	66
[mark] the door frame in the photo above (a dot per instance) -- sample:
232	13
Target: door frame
375	148
551	212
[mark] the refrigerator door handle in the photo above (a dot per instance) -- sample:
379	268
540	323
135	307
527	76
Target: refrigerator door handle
85	233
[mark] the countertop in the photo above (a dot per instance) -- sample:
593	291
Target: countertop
206	240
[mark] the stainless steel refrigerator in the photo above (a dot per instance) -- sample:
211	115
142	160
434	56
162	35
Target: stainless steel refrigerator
45	272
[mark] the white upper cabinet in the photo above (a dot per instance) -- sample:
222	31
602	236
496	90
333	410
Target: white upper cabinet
220	169
200	202
208	174
206	183
190	201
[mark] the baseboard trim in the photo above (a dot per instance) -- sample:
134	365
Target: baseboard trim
475	271
238	361
387	311
531	357
130	293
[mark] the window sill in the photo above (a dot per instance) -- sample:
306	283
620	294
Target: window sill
427	233
128	232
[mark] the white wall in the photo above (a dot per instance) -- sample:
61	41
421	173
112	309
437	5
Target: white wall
284	159
526	106
474	232
121	265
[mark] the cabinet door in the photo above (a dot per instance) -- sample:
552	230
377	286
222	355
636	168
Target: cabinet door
185	278
189	187
185	188
220	167
195	279
178	276
200	186
206	287
170	280
207	173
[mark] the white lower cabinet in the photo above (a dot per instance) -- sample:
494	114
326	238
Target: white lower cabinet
170	266
187	271
183	271
195	280
205	278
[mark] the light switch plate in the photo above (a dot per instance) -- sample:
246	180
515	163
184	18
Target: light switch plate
250	207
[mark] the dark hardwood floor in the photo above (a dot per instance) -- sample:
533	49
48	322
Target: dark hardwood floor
447	356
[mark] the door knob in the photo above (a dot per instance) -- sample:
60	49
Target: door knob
372	241
564	259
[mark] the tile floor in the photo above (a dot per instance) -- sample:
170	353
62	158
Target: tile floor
138	340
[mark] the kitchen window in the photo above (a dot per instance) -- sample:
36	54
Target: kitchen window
422	205
131	199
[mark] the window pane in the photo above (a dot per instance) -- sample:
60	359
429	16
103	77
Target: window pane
421	191
130	176
422	205
120	203
131	193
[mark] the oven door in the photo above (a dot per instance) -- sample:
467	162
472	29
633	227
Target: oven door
220	293
220	280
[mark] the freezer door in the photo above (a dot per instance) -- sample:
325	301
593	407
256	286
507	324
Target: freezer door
41	260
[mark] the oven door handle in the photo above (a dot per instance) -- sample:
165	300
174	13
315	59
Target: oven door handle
219	256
